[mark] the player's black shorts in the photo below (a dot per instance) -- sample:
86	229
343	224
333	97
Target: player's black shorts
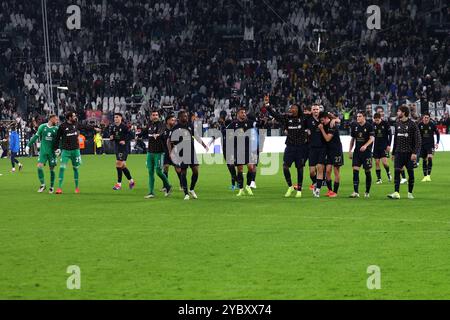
295	154
425	151
121	152
362	159
335	157
403	159
379	152
317	156
248	158
167	159
189	164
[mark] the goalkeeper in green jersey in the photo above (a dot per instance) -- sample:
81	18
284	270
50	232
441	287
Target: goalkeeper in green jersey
46	135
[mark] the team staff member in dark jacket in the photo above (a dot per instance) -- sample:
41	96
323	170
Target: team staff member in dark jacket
407	144
427	130
67	140
121	136
296	145
155	154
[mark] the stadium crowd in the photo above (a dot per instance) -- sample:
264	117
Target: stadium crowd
210	57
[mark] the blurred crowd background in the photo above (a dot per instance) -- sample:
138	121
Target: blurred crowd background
211	56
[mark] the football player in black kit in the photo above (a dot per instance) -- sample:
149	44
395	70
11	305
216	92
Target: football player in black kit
230	166
184	156
170	123
407	144
362	139
241	152
317	150
427	130
382	146
296	145
334	154
121	136
67	140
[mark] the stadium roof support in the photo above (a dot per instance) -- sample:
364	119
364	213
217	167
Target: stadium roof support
48	69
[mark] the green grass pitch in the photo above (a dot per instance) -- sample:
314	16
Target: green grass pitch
220	247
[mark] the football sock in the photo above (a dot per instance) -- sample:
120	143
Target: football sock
194	179
119	175
378	172
76	176
368	180
52	178
336	187
397	175
355	180
41	175
240	180
127	173
329	185
287	176
61	176
299	178
410	181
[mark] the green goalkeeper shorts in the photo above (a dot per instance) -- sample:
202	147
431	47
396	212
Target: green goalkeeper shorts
72	155
50	157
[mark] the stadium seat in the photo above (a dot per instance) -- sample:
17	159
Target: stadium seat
105	104
111	104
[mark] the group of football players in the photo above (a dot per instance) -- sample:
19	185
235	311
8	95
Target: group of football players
312	136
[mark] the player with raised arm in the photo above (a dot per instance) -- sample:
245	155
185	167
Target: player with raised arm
46	134
241	153
334	154
155	154
296	150
382	146
67	136
407	145
121	136
184	156
362	138
428	130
